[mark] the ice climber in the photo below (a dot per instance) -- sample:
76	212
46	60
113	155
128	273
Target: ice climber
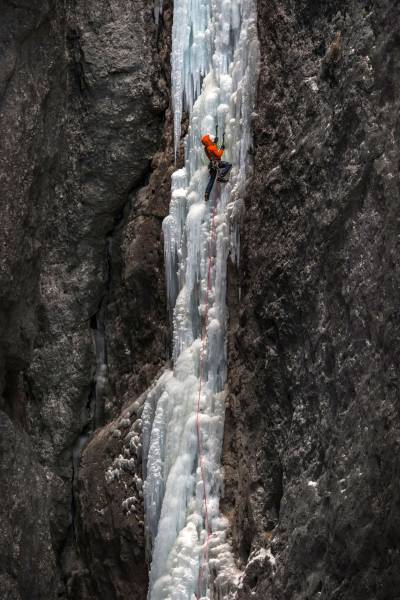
217	167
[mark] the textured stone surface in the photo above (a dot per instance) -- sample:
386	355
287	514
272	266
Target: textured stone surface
30	128
26	543
83	94
110	516
313	431
110	509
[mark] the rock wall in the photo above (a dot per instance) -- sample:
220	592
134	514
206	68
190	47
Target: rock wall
83	95
312	427
312	431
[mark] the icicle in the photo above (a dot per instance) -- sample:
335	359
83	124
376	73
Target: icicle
214	77
191	55
158	9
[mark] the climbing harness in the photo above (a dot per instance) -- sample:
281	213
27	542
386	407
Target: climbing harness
203	352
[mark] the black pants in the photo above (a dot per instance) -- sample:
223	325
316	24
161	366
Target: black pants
221	169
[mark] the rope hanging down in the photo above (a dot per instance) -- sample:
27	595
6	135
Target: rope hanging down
203	353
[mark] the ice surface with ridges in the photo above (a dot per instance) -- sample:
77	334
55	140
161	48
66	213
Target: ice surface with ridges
214	76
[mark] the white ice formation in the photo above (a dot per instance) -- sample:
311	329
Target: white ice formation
158	9
215	58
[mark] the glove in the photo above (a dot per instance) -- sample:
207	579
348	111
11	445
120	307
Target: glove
223	147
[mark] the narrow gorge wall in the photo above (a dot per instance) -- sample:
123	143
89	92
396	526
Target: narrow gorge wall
312	427
312	435
83	95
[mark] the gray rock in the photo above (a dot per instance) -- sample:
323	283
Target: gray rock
83	96
312	428
312	431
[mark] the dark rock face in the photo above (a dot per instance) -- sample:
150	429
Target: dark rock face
110	500
110	517
83	92
313	430
109	487
312	427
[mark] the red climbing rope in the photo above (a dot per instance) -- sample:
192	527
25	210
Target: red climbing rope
204	337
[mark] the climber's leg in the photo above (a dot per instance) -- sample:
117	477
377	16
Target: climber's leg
213	174
223	170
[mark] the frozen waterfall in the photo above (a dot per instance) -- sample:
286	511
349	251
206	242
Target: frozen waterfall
214	77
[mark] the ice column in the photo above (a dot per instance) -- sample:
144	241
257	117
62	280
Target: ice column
192	47
158	9
214	77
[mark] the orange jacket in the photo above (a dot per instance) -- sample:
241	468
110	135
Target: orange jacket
211	149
